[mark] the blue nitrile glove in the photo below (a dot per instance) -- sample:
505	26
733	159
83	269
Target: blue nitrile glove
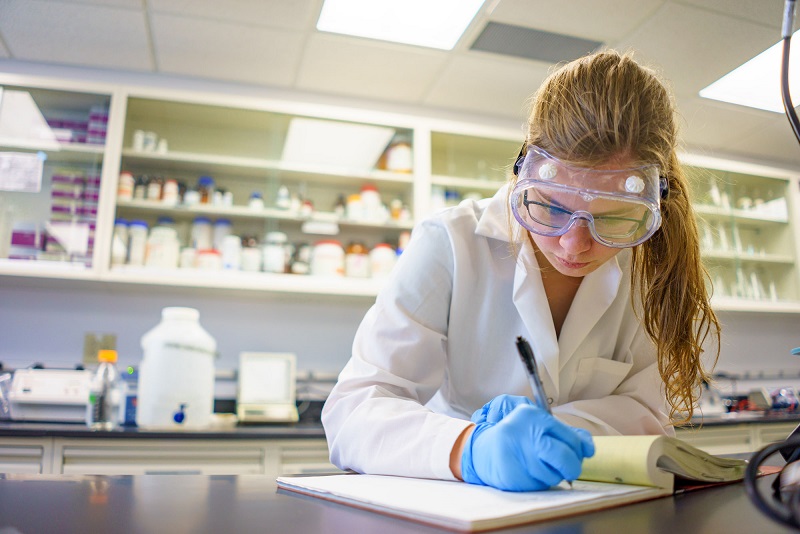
498	408
528	450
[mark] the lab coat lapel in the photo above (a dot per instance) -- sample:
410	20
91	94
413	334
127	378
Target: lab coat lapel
531	303
594	297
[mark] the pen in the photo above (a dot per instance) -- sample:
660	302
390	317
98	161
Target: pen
526	354
527	357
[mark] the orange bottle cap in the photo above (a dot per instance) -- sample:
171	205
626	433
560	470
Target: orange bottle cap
107	356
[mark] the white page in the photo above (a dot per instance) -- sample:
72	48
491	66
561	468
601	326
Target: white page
464	503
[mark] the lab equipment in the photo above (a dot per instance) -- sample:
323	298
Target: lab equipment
527	451
621	207
49	395
176	376
105	395
266	389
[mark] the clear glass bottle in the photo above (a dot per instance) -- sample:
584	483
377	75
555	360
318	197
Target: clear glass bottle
102	411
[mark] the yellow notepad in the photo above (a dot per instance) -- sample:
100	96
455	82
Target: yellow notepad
625	469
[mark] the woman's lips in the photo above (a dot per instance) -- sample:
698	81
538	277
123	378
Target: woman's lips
572	264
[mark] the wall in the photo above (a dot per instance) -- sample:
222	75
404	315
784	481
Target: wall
47	324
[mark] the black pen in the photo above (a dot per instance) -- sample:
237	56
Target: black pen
539	397
526	354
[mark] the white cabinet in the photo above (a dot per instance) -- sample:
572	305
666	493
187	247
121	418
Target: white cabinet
25	455
248	172
137	456
747	220
735	438
52	158
323	157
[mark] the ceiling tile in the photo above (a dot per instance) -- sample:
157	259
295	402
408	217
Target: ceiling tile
705	123
225	51
482	83
762	11
129	4
601	20
695	47
773	140
282	14
77	34
365	68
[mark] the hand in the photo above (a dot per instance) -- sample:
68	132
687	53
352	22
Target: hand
498	408
528	450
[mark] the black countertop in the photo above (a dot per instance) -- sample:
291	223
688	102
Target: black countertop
295	431
77	430
197	504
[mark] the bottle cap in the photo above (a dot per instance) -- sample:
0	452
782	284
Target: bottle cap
107	356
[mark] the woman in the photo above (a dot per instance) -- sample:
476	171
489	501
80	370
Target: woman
591	253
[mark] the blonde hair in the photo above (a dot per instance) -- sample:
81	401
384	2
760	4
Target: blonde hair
606	105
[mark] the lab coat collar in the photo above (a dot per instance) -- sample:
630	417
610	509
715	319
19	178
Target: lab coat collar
494	220
596	294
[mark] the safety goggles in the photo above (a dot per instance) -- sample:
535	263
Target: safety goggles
621	207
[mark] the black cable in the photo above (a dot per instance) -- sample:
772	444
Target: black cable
788	22
786	514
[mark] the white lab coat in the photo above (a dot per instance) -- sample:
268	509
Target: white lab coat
440	342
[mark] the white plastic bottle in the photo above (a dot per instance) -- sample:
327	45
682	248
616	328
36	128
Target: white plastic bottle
137	242
105	394
176	376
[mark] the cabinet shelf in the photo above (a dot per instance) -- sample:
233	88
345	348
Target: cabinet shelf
47	269
259	168
277	283
775	259
467	183
56	151
243	212
738	214
751	305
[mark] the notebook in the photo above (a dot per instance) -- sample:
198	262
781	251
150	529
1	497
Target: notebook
625	469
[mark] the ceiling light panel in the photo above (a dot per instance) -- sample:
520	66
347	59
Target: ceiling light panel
430	23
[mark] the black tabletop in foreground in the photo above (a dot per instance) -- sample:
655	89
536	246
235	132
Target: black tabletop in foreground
32	504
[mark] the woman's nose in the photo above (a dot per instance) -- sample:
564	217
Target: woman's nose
578	238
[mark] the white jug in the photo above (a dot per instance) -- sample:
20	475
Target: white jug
176	376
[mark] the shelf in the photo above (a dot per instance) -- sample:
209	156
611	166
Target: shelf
56	152
46	269
260	168
243	212
277	283
740	215
749	305
467	183
777	259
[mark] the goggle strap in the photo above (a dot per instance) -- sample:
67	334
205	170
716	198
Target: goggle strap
520	159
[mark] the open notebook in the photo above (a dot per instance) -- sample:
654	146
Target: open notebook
625	469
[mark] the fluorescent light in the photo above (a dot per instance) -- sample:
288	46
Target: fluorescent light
430	23
757	83
335	145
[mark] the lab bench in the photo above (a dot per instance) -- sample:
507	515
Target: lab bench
272	450
245	503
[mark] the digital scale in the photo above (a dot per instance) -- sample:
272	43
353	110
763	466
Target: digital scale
56	395
266	389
